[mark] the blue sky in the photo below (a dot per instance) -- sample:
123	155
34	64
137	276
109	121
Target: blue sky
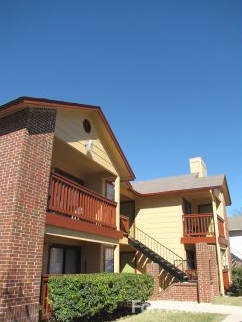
167	74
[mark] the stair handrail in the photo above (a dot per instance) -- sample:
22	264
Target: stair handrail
156	246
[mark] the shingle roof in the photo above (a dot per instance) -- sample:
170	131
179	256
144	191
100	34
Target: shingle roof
184	182
235	223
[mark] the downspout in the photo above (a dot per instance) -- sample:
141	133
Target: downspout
215	220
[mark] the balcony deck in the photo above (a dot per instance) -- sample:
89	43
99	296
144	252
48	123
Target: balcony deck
75	207
199	228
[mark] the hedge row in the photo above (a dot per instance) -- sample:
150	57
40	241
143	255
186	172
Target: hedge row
79	296
236	287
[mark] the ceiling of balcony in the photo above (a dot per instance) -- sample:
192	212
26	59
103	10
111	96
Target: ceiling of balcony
70	160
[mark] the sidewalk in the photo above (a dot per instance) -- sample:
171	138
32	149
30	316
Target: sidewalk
235	312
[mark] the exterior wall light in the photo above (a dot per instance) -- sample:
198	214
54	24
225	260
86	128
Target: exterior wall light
89	145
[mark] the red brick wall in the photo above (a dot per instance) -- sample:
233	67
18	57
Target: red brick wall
214	278
26	140
176	291
207	271
180	292
153	270
203	290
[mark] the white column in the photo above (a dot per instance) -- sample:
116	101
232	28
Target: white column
116	258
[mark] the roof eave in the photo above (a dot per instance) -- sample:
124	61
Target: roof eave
172	191
25	102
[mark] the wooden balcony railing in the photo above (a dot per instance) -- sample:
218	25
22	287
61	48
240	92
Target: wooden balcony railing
201	225
70	199
198	225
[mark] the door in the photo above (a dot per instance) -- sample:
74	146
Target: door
127	208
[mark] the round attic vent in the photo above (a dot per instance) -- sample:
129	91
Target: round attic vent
87	126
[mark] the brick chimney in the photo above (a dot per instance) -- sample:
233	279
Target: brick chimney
197	165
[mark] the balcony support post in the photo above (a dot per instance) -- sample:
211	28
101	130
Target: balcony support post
116	258
117	200
215	220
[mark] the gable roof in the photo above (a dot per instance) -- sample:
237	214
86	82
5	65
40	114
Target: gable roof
31	102
235	223
188	182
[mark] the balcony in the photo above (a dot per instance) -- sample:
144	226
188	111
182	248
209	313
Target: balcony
75	207
199	228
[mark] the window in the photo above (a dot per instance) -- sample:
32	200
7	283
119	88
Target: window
109	193
108	260
186	206
64	260
205	209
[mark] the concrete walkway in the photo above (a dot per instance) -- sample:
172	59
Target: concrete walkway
234	312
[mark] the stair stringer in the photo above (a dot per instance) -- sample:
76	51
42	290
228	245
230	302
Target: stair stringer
156	258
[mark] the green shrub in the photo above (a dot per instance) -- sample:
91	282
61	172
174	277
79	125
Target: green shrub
78	296
236	287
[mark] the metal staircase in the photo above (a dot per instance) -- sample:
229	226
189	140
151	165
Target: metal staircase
159	253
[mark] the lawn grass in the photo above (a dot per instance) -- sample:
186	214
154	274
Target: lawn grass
172	316
228	300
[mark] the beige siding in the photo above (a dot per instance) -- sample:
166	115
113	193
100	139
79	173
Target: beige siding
161	218
97	182
221	210
69	128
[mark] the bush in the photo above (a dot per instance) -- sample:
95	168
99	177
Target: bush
236	287
79	296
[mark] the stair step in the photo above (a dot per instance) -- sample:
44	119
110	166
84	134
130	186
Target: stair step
160	260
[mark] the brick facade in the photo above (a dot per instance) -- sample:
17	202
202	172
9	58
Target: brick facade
203	290
180	292
26	140
214	280
207	270
176	291
153	269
